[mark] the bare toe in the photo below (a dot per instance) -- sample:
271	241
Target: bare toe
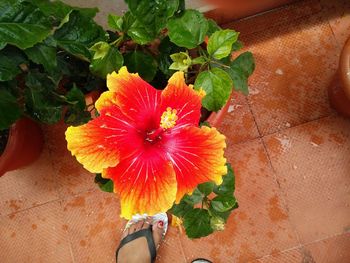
158	231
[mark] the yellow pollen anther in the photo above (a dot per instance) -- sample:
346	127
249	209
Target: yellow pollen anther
169	118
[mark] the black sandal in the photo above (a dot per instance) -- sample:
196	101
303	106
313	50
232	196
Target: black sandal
201	260
147	233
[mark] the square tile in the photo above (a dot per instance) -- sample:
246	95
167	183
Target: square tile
238	125
312	163
31	186
71	176
260	226
295	63
332	250
35	235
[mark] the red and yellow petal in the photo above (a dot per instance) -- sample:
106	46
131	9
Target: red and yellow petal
145	183
184	99
106	100
102	142
136	98
197	155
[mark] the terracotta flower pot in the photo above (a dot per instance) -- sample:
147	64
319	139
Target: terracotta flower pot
215	118
339	90
23	147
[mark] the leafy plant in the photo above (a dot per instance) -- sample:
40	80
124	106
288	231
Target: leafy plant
52	54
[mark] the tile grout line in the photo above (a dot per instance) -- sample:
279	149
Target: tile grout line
181	247
284	201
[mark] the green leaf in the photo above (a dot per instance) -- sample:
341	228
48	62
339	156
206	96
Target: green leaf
217	223
105	60
76	117
197	223
139	62
10	59
206	188
188	30
76	96
43	55
181	61
115	22
223	203
153	13
217	85
105	185
212	27
60	10
22	24
9	109
237	45
181	209
227	186
166	48
39	101
195	198
138	32
199	60
78	35
240	69
220	43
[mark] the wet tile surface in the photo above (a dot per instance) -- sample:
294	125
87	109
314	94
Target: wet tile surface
312	163
35	235
332	250
261	224
239	124
28	187
289	149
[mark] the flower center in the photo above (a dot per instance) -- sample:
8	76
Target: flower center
169	118
167	121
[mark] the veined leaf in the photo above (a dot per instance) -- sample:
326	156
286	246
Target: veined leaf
217	85
9	109
220	43
188	30
22	24
142	63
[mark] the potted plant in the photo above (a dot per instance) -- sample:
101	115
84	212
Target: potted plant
163	45
44	73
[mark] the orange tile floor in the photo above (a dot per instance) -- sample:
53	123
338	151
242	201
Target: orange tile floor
290	151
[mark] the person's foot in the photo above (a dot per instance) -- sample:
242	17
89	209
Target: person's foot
137	250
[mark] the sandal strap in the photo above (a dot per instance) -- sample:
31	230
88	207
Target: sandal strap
147	233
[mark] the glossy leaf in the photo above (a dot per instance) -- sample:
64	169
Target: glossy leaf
181	209
139	33
206	188
153	13
227	186
78	35
60	10
188	30
195	198
9	109
10	59
106	59
43	55
223	203
212	27
217	85
76	97
105	185
240	69
115	22
197	223
139	62
220	43
22	24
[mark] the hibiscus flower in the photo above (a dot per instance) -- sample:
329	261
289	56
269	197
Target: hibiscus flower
148	142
